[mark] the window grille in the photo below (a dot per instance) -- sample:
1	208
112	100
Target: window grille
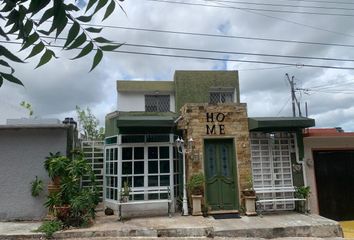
271	166
221	97
157	103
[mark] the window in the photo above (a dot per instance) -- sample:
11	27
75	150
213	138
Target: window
223	96
157	103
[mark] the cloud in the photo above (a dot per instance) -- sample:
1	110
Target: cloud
55	89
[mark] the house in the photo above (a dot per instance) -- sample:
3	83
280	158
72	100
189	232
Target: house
24	144
329	157
221	141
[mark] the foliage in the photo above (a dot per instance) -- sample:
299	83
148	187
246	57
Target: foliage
50	227
36	187
82	201
196	184
303	192
249	184
27	106
40	23
126	189
89	124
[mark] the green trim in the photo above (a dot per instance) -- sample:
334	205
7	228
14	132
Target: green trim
145	86
279	123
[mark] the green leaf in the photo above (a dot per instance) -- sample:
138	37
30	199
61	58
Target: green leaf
93	30
6	53
90	4
30	40
4	63
48	54
73	32
36	50
11	78
37	5
8	6
110	47
1	81
97	59
101	40
46	15
109	10
2	33
85	18
78	41
86	50
72	7
44	32
100	5
28	26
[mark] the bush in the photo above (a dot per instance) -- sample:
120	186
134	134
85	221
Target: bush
196	184
50	227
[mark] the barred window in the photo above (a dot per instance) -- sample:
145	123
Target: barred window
157	103
221	97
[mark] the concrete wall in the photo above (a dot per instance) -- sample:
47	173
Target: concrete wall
135	101
321	143
22	153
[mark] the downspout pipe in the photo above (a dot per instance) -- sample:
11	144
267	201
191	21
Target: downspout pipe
302	162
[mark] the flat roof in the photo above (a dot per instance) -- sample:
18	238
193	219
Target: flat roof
144	86
145	119
327	132
33	126
279	123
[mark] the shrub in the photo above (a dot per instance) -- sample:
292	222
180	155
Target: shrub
50	227
196	184
36	187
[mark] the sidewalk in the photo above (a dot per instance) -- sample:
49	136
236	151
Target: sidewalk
268	226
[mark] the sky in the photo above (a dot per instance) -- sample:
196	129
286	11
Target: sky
56	88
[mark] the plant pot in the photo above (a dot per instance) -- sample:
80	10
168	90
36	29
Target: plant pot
248	193
125	198
62	212
250	204
197	205
52	188
301	206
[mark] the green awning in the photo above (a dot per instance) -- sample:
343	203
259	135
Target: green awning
279	123
146	120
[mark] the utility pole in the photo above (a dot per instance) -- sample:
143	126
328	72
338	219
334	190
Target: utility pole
291	82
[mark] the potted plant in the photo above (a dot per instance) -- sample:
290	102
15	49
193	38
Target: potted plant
125	192
196	189
52	166
302	193
249	196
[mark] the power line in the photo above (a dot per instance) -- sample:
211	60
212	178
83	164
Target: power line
218	59
317	1
282	108
225	52
256	9
221	36
282	5
296	23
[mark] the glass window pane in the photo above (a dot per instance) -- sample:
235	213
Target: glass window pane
138	197
126	168
153	181
115	153
153	196
139	167
165	180
164	166
107	154
127	154
115	165
152	153
164	152
153	167
111	154
139	181
138	153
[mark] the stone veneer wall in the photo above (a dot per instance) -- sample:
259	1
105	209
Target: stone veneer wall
193	124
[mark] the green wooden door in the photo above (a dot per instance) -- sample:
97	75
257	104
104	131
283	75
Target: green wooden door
220	175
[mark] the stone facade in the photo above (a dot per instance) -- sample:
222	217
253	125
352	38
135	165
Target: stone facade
206	121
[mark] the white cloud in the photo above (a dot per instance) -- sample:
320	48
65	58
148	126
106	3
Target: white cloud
56	88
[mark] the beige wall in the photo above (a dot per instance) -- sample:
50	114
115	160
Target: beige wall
235	121
321	143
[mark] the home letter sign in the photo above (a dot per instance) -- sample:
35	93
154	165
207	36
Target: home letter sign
213	129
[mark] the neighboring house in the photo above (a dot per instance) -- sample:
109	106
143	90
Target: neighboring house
329	157
24	144
228	146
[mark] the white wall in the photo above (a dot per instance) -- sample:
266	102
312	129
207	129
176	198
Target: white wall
127	102
321	143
